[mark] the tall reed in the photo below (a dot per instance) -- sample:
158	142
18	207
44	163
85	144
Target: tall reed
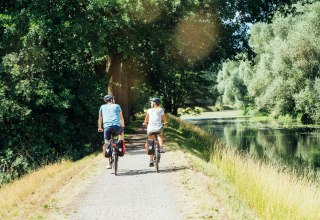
272	191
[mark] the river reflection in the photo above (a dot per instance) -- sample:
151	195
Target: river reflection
296	147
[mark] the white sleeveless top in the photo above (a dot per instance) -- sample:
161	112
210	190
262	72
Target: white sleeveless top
155	118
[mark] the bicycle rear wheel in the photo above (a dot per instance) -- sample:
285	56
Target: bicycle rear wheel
115	164
157	158
114	157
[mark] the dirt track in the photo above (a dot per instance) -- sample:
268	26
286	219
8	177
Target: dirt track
138	192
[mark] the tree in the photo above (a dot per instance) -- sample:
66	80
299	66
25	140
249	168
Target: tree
285	71
233	79
58	59
49	91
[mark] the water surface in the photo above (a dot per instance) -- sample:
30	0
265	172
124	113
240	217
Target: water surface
295	147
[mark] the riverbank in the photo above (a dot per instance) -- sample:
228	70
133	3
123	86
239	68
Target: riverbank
214	115
253	121
273	192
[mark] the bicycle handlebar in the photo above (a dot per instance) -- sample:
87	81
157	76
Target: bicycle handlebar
145	125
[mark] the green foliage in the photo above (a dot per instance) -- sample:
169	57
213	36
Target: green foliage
12	166
232	81
50	88
262	11
284	76
182	88
49	91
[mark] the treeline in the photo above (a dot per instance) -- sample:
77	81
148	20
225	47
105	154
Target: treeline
58	59
282	76
49	92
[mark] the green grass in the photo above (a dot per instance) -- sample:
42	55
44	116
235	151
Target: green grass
273	192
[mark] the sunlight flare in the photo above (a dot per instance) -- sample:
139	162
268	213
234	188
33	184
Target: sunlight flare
196	37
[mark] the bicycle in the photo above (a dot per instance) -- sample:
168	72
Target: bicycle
114	149
114	157
156	147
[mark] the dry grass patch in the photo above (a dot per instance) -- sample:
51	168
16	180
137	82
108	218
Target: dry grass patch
273	192
25	196
221	192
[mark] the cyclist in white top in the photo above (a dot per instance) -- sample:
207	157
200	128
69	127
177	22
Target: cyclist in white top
153	119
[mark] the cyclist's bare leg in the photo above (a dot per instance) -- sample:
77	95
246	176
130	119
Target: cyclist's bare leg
104	149
160	138
151	137
121	136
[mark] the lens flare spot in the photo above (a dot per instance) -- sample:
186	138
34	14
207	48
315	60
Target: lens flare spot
195	37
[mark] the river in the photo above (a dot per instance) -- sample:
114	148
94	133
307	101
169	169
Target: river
295	147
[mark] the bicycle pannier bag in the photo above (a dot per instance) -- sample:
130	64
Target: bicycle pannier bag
124	147
108	150
150	146
120	148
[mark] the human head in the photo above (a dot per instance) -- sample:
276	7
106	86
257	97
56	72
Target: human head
155	101
108	98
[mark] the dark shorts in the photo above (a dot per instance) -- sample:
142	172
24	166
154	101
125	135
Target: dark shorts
112	130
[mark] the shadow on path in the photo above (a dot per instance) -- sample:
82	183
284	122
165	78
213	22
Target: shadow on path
136	146
146	171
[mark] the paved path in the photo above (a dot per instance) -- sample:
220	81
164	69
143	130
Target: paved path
138	192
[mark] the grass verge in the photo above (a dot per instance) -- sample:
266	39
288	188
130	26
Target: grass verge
20	198
30	194
272	192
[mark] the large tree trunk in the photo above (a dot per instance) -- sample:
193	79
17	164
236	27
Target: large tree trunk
119	85
127	83
114	73
167	104
100	69
175	110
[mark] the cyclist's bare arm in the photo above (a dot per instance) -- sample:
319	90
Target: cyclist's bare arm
121	119
100	122
164	118
146	120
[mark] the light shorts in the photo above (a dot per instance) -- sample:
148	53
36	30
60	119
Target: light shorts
159	132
